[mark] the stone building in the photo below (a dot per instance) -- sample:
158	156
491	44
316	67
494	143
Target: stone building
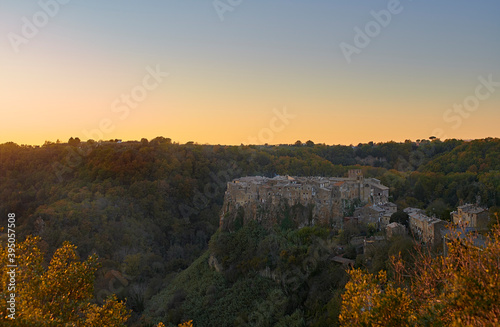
304	200
389	208
378	193
369	214
472	216
394	229
379	214
427	229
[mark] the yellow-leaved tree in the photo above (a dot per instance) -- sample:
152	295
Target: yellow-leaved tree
461	288
58	295
371	300
186	324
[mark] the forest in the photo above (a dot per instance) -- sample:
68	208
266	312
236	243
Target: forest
146	215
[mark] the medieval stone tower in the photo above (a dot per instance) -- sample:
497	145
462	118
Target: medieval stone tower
356	174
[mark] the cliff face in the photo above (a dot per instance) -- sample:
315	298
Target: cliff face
296	201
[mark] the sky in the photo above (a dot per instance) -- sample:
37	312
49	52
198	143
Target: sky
251	72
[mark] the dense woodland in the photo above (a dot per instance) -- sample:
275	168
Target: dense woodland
149	211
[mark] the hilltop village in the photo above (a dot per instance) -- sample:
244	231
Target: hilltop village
333	201
304	200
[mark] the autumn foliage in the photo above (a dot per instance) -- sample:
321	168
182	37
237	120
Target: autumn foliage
186	324
461	288
371	300
58	295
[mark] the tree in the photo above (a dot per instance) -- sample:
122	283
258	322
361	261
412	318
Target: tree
187	324
111	313
400	217
310	143
459	289
74	141
371	300
439	209
161	140
58	295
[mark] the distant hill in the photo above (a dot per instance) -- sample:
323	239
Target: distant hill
477	156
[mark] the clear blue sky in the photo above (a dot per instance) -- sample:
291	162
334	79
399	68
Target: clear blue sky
228	78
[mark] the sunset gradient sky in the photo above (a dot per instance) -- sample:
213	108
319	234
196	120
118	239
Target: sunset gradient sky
228	78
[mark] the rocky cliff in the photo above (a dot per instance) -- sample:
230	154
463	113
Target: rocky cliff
294	202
